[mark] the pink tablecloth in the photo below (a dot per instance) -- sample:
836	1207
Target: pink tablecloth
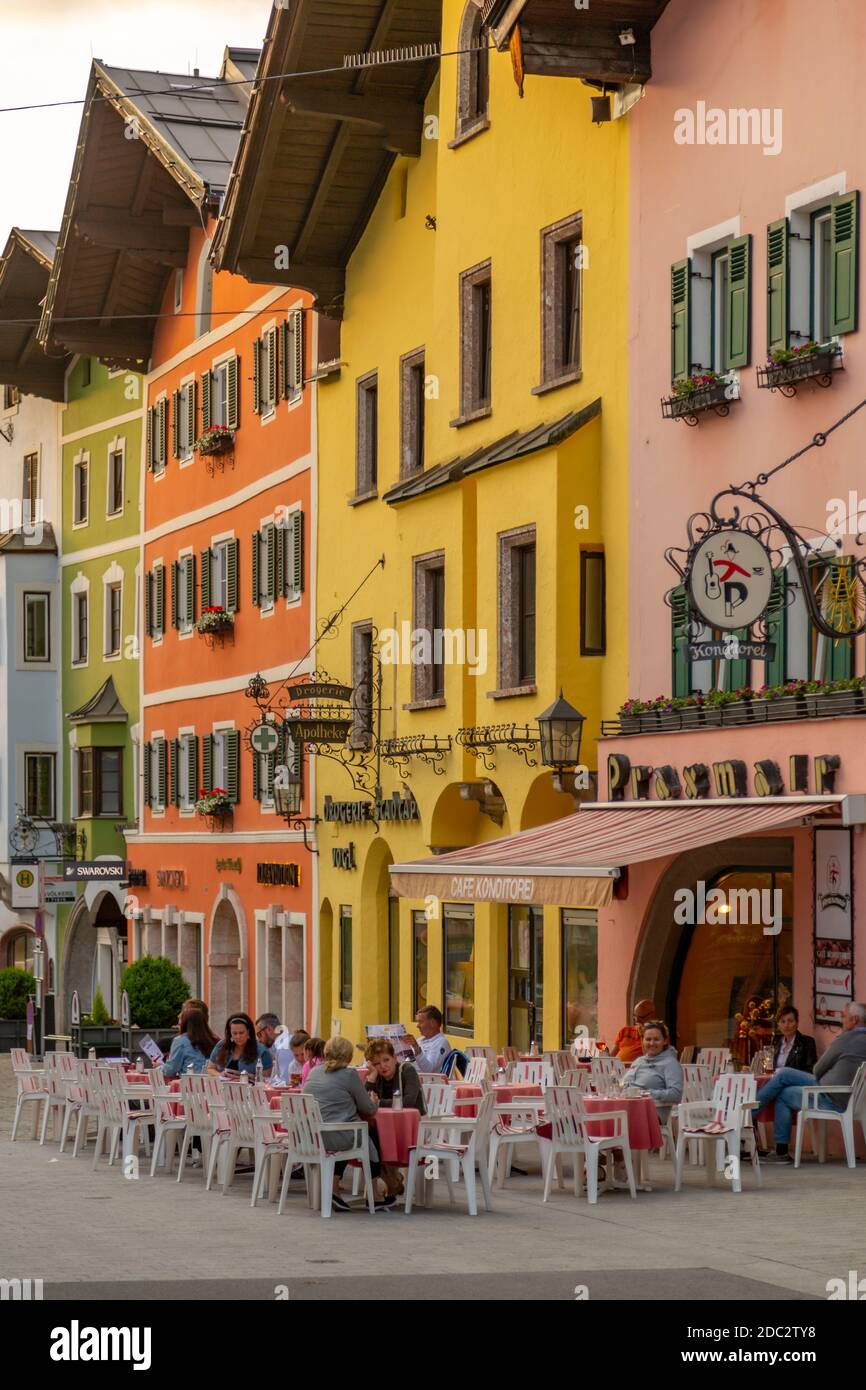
396	1133
504	1094
643	1120
137	1078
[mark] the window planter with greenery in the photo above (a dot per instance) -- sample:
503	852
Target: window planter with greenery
695	395
215	622
216	439
215	805
796	699
787	367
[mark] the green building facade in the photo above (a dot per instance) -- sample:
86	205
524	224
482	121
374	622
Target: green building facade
101	449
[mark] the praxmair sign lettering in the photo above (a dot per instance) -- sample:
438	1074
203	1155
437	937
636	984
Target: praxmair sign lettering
727	777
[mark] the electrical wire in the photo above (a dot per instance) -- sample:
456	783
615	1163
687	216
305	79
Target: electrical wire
173	91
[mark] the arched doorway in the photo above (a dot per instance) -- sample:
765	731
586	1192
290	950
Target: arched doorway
225	964
79	961
732	976
110	930
16	948
701	975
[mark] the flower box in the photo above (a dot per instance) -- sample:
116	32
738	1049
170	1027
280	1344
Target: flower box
809	363
796	699
214	621
214	804
216	439
699	395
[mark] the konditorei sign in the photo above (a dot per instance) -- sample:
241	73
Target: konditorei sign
726	777
730	579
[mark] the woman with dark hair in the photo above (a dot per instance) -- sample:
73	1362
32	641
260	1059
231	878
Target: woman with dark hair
194	1043
239	1050
791	1048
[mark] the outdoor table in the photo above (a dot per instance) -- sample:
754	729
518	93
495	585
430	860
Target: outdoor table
504	1094
644	1132
396	1133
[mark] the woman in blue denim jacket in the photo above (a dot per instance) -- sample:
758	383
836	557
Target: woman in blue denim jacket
193	1045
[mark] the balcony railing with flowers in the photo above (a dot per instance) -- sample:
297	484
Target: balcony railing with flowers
786	368
695	395
770	704
214	806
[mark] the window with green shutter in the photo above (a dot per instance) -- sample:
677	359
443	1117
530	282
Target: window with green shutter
232	395
192	768
257	376
681	674
162	764
840	610
777	628
231	561
175	593
293	556
148	603
147	790
205	578
188	586
681	327
175	424
174	755
738	667
778	284
205	401
844	263
159	601
739	316
255	547
233	764
270	576
207	762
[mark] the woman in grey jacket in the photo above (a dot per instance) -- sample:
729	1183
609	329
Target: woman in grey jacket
342	1096
657	1070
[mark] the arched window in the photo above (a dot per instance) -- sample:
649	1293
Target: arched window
18	950
473	75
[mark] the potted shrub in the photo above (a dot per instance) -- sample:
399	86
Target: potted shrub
215	621
216	439
156	989
699	392
16	986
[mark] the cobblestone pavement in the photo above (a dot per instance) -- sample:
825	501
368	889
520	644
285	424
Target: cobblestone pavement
72	1226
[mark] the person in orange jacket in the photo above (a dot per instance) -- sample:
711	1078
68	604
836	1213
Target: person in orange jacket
628	1043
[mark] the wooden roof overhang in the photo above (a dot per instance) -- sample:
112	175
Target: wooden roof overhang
315	151
556	39
25	268
132	199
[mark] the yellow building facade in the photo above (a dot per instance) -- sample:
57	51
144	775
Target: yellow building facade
491	279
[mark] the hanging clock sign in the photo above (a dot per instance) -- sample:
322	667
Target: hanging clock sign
730	579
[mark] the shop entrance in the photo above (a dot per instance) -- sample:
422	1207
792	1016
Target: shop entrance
731	976
525	977
224	966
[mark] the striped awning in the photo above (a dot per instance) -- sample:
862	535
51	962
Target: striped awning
573	862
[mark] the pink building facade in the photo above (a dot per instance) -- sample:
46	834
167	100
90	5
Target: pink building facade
745	233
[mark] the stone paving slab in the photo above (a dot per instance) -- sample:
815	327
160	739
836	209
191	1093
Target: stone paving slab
65	1223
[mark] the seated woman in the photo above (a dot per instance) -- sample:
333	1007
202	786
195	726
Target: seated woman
239	1050
386	1078
193	1045
791	1048
341	1095
658	1070
314	1055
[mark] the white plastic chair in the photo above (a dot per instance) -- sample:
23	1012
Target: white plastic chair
697	1082
117	1120
731	1106
687	1054
716	1058
569	1136
514	1122
560	1064
585	1048
82	1103
488	1053
446	1139
604	1071
577	1080
478	1070
202	1099
306	1142
438	1098
168	1124
31	1086
237	1133
61	1070
856	1108
530	1073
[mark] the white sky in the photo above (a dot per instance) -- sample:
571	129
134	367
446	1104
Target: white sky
45	52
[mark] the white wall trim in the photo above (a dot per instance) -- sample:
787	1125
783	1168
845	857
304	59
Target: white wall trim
816	193
227	686
99	552
208	340
226	504
103	425
721	232
246	837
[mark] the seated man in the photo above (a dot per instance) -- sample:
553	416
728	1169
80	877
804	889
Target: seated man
434	1047
628	1043
837	1067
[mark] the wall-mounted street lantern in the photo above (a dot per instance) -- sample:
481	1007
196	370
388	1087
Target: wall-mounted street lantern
560	729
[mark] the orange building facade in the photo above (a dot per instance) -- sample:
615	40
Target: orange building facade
219	883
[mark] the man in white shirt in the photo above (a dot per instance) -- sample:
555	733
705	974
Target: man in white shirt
287	1048
433	1046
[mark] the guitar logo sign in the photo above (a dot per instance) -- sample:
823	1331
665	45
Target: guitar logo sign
730	580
